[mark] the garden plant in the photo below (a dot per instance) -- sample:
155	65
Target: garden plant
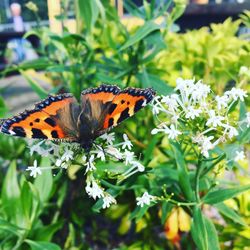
174	176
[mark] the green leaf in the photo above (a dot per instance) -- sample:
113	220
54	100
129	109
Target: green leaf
11	194
165	209
148	80
3	107
45	233
223	194
40	245
198	230
42	93
133	9
8	227
139	212
44	182
229	213
184	180
26	201
212	235
107	79
89	11
142	32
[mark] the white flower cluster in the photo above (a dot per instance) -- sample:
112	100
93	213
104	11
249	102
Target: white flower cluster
193	111
65	154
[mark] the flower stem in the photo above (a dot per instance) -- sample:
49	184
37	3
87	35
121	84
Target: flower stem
197	177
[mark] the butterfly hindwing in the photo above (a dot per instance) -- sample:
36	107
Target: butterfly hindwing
126	104
51	119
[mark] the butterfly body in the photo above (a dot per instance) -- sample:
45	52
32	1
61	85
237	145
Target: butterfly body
62	117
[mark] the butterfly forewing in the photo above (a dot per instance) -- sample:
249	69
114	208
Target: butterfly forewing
126	104
49	120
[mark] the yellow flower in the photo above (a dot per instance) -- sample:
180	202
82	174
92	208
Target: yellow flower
178	221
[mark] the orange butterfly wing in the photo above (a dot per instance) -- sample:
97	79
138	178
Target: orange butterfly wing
49	120
126	104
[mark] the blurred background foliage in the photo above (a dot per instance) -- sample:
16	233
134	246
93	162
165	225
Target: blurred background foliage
53	212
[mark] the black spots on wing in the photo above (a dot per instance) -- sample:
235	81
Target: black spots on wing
54	134
111	122
50	121
37	133
138	105
112	108
128	103
19	131
122	101
124	115
37	120
31	124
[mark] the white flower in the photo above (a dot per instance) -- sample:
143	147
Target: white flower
128	156
230	130
236	93
138	165
100	153
37	148
94	190
173	132
222	101
156	105
200	91
240	155
144	200
192	112
127	143
68	155
109	138
34	170
206	145
156	131
170	102
114	152
90	164
108	200
214	120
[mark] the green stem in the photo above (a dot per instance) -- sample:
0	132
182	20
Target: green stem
197	178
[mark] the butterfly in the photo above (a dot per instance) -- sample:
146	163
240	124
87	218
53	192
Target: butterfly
62	117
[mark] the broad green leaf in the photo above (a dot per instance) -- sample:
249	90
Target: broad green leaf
42	93
198	230
142	32
229	213
40	245
184	180
44	182
223	194
212	235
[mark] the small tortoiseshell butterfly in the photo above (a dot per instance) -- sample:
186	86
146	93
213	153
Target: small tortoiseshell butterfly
61	117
